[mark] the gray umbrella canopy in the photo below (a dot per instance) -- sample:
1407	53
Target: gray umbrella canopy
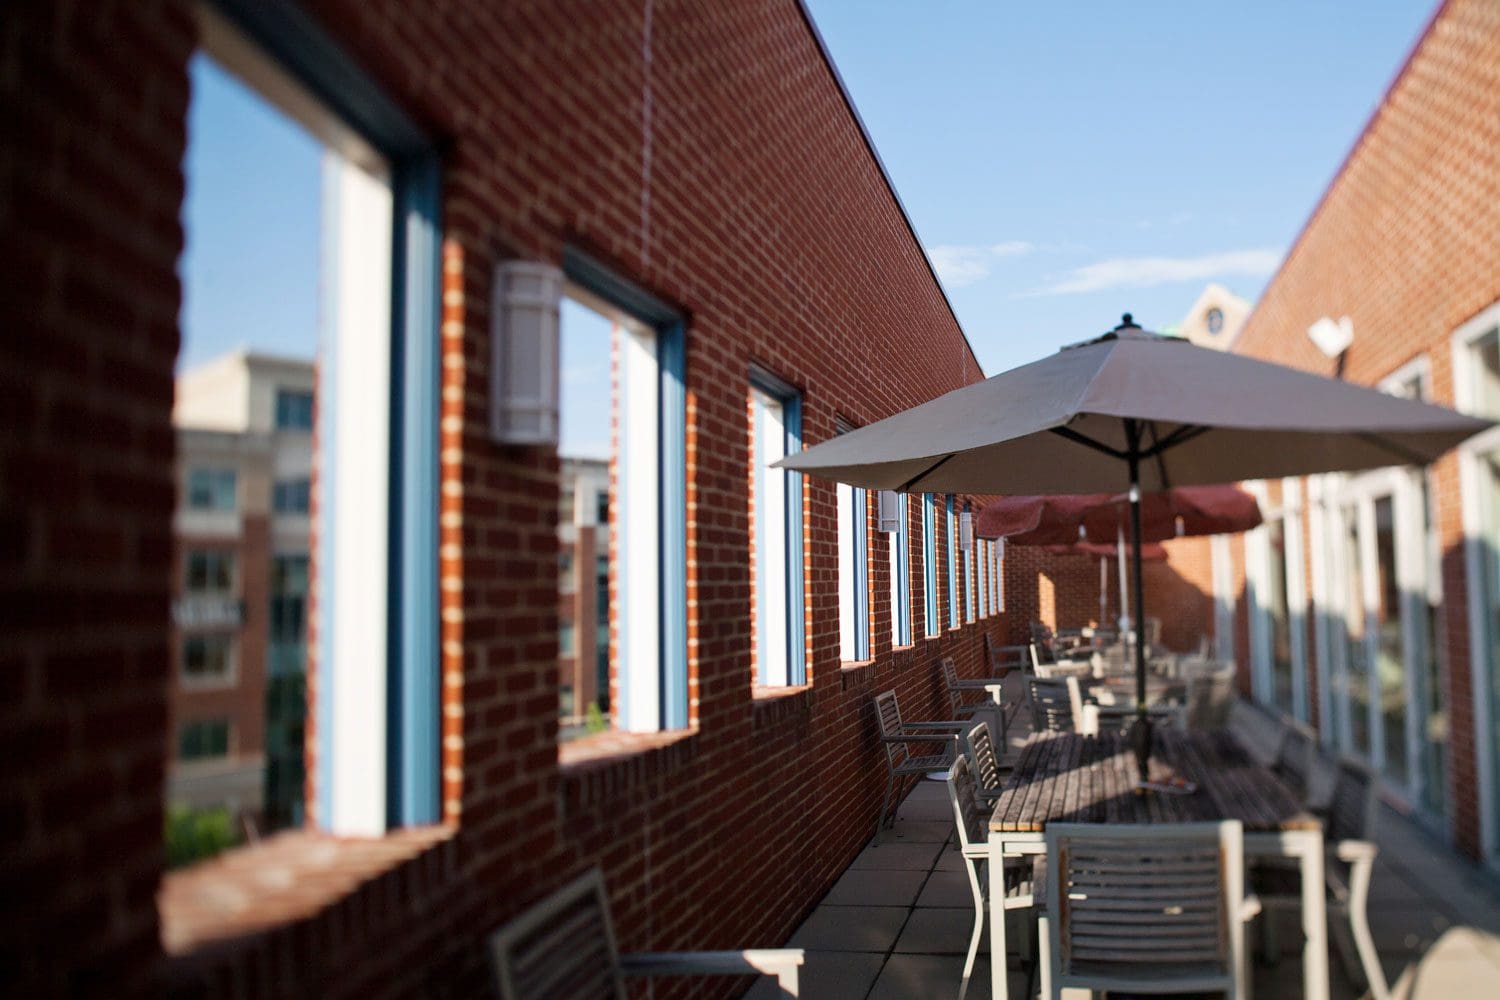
1063	425
1138	409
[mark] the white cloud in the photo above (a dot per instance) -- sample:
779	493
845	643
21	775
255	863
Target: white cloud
1145	272
960	265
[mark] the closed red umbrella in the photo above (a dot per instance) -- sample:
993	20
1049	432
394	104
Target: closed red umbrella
1181	512
1037	520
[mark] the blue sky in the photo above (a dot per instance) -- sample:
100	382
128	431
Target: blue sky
1062	163
1066	162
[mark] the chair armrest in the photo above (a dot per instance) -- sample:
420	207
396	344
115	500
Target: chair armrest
951	725
1249	907
754	961
980	683
1355	850
919	738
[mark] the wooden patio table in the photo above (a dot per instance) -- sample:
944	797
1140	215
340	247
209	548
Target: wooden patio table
1063	777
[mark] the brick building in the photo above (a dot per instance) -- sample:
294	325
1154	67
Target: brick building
240	561
1366	605
695	171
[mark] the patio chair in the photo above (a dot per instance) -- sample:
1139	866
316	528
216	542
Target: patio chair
897	737
1020	887
564	946
1053	668
1297	763
992	706
1209	696
1003	659
1349	837
1257	730
1149	908
986	767
1057	706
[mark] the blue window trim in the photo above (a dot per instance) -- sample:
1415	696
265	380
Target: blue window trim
791	416
970	580
929	564
671	352
300	47
861	522
901	571
952	549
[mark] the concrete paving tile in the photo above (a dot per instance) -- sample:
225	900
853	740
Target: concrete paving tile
926	811
945	888
950	860
850	928
919	831
876	887
1406	929
923	977
827	975
897	855
940	931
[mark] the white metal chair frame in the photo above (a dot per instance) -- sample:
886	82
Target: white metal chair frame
1151	908
896	735
1020	884
566	943
1350	843
991	706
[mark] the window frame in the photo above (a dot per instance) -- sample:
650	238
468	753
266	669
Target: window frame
229	677
284	45
900	572
931	625
793	597
218	473
654	702
951	530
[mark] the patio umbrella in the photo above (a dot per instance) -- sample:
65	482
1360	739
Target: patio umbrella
1037	520
1135	409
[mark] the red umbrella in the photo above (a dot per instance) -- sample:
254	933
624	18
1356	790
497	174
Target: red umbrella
1184	511
1150	552
1038	520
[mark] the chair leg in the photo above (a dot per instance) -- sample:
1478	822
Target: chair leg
963	987
1044	958
1368	959
1270	947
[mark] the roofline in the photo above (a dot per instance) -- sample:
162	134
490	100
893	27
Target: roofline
1359	141
864	132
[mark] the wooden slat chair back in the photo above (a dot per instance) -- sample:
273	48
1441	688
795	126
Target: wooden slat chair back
1154	908
1259	731
1351	814
888	715
984	762
958	706
1210	692
1051	705
564	946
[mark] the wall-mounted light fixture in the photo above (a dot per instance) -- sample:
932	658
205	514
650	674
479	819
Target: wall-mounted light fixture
524	308
1331	336
888	511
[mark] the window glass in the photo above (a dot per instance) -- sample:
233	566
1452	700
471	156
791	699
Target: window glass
1485	353
900	572
209	571
775	534
292	496
294	410
211	489
202	739
929	564
207	657
854	579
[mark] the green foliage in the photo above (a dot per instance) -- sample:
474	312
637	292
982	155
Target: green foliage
595	720
195	834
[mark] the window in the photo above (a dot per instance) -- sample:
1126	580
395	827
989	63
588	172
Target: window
997	575
567	577
900	563
929	565
208	659
951	533
777	606
209	572
969	580
567	644
854	574
203	739
345	240
294	410
291	496
982	575
211	489
623	425
1275	587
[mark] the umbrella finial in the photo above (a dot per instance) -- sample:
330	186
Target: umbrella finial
1127	322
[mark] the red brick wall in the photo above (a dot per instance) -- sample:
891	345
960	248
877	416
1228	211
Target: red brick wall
764	218
1403	243
93	99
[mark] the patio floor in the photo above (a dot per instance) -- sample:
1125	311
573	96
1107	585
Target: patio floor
897	923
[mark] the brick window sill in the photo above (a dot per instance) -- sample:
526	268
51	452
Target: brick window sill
603	766
773	705
287	878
